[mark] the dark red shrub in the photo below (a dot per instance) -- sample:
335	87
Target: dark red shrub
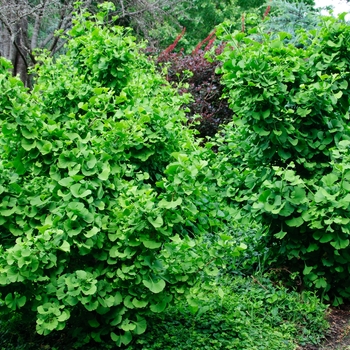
204	85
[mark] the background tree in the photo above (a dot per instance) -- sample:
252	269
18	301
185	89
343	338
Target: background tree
27	25
290	17
199	19
146	16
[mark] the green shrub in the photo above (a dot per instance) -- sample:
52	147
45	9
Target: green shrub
104	194
284	160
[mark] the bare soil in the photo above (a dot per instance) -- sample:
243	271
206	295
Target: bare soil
338	335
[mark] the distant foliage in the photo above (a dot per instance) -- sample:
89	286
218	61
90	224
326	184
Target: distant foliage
199	17
289	17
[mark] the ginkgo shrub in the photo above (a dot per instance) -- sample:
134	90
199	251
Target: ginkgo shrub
285	158
104	193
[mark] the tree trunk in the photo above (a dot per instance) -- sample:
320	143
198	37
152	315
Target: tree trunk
18	59
13	43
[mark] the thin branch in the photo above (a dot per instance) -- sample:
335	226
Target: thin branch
58	48
64	25
21	54
13	39
122	7
22	15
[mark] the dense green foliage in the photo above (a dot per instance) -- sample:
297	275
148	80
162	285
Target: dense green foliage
239	313
285	160
104	194
118	228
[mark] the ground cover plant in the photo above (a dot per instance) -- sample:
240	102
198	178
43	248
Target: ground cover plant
285	158
238	313
104	193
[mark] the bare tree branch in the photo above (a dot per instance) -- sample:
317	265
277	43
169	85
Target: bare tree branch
26	25
13	36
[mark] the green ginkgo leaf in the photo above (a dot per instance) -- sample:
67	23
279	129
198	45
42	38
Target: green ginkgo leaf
329	179
121	339
94	323
295	222
65	247
170	205
151	244
140	324
158	222
66	181
28	144
155	286
79	191
106	170
159	307
340	243
91	161
127	325
139	303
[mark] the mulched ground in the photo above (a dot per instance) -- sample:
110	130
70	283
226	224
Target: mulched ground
338	336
